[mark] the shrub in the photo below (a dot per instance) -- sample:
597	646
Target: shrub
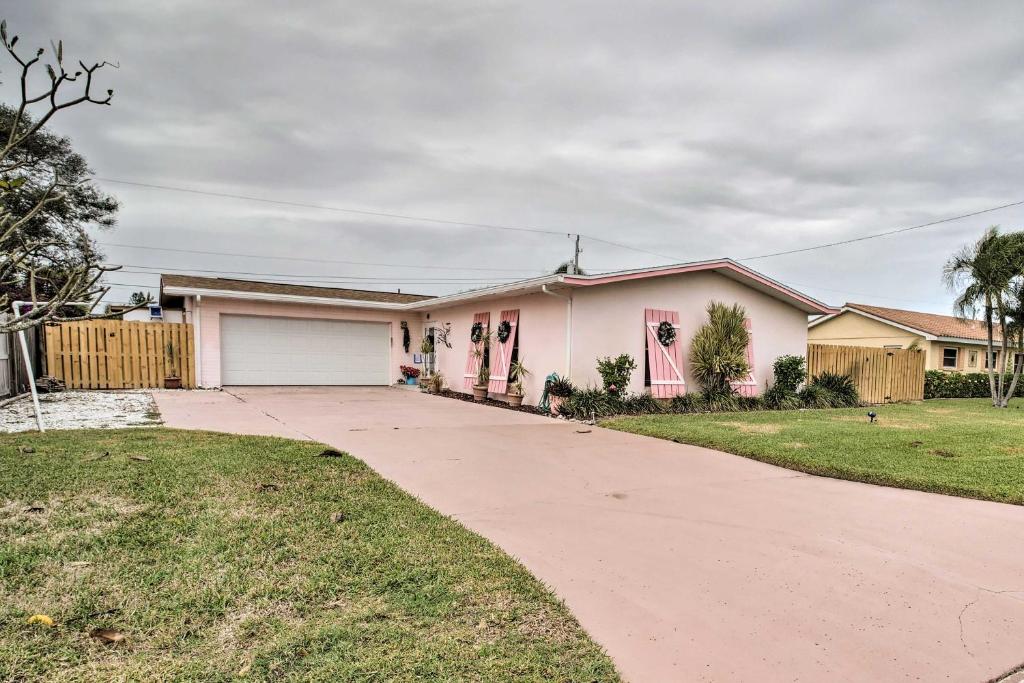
616	372
939	384
589	402
778	397
560	386
687	403
841	386
790	373
641	404
718	354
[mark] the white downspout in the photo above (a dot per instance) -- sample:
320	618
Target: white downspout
196	317
568	327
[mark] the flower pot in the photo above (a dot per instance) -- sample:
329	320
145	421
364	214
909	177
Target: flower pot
410	380
555	402
515	400
479	393
172	383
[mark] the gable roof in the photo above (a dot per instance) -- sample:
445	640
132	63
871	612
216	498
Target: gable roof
178	285
219	284
929	325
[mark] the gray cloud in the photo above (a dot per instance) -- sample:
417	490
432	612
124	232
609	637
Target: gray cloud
692	131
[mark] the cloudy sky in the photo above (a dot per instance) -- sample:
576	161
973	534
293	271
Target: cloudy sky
688	130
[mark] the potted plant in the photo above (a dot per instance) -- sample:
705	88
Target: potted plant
559	389
515	389
171	380
410	373
483	374
434	384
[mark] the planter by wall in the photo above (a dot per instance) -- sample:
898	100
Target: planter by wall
480	393
555	402
172	383
515	400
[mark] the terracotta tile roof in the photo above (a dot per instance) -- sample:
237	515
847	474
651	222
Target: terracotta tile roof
196	282
931	323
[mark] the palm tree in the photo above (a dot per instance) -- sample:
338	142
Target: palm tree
982	274
1014	330
718	353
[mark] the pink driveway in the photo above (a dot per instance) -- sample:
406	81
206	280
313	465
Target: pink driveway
686	563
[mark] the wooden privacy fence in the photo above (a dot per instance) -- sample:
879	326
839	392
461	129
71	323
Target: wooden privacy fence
119	354
881	375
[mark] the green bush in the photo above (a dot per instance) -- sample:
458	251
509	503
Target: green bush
642	404
842	388
718	353
615	372
940	384
778	397
560	386
790	373
590	402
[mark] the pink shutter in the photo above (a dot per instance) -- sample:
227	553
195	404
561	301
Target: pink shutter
666	362
501	354
472	362
748	387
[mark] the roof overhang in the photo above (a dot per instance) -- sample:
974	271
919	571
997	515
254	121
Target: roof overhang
913	330
724	267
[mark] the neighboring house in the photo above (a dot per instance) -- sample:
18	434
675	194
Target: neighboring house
156	313
279	334
949	343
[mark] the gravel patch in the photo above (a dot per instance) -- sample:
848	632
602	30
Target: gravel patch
82	410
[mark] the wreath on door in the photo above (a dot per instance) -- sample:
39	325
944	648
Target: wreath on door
666	333
476	333
504	331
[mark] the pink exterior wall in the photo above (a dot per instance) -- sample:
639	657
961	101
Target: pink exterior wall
609	320
541	338
210	310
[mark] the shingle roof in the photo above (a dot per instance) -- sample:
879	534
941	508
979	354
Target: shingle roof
930	323
227	284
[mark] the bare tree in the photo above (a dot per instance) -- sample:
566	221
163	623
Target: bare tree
62	275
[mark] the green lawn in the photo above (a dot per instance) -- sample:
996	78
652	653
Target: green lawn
962	447
218	558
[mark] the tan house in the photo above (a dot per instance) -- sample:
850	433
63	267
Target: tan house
949	343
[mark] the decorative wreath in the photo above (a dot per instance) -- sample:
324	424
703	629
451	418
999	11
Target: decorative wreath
476	333
504	331
666	333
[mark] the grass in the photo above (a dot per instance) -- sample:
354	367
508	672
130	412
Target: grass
960	447
218	558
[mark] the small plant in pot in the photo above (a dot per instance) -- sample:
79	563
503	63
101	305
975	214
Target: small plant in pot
515	389
172	380
410	373
483	376
559	389
434	384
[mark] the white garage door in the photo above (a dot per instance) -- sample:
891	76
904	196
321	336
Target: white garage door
256	350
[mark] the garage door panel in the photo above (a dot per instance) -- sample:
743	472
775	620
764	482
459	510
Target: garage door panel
266	350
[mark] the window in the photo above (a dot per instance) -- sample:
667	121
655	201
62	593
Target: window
972	359
993	357
949	357
156	312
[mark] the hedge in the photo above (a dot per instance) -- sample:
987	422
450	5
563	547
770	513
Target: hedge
939	384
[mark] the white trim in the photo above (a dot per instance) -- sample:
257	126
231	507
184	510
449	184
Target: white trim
291	298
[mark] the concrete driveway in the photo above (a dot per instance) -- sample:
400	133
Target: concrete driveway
686	563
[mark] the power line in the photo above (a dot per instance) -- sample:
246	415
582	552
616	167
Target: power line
311	278
324	207
313	260
884	234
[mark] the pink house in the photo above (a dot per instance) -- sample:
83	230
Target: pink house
278	334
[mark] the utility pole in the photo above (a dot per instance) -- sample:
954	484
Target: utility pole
576	257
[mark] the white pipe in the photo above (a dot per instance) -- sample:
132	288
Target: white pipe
198	341
568	327
28	367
